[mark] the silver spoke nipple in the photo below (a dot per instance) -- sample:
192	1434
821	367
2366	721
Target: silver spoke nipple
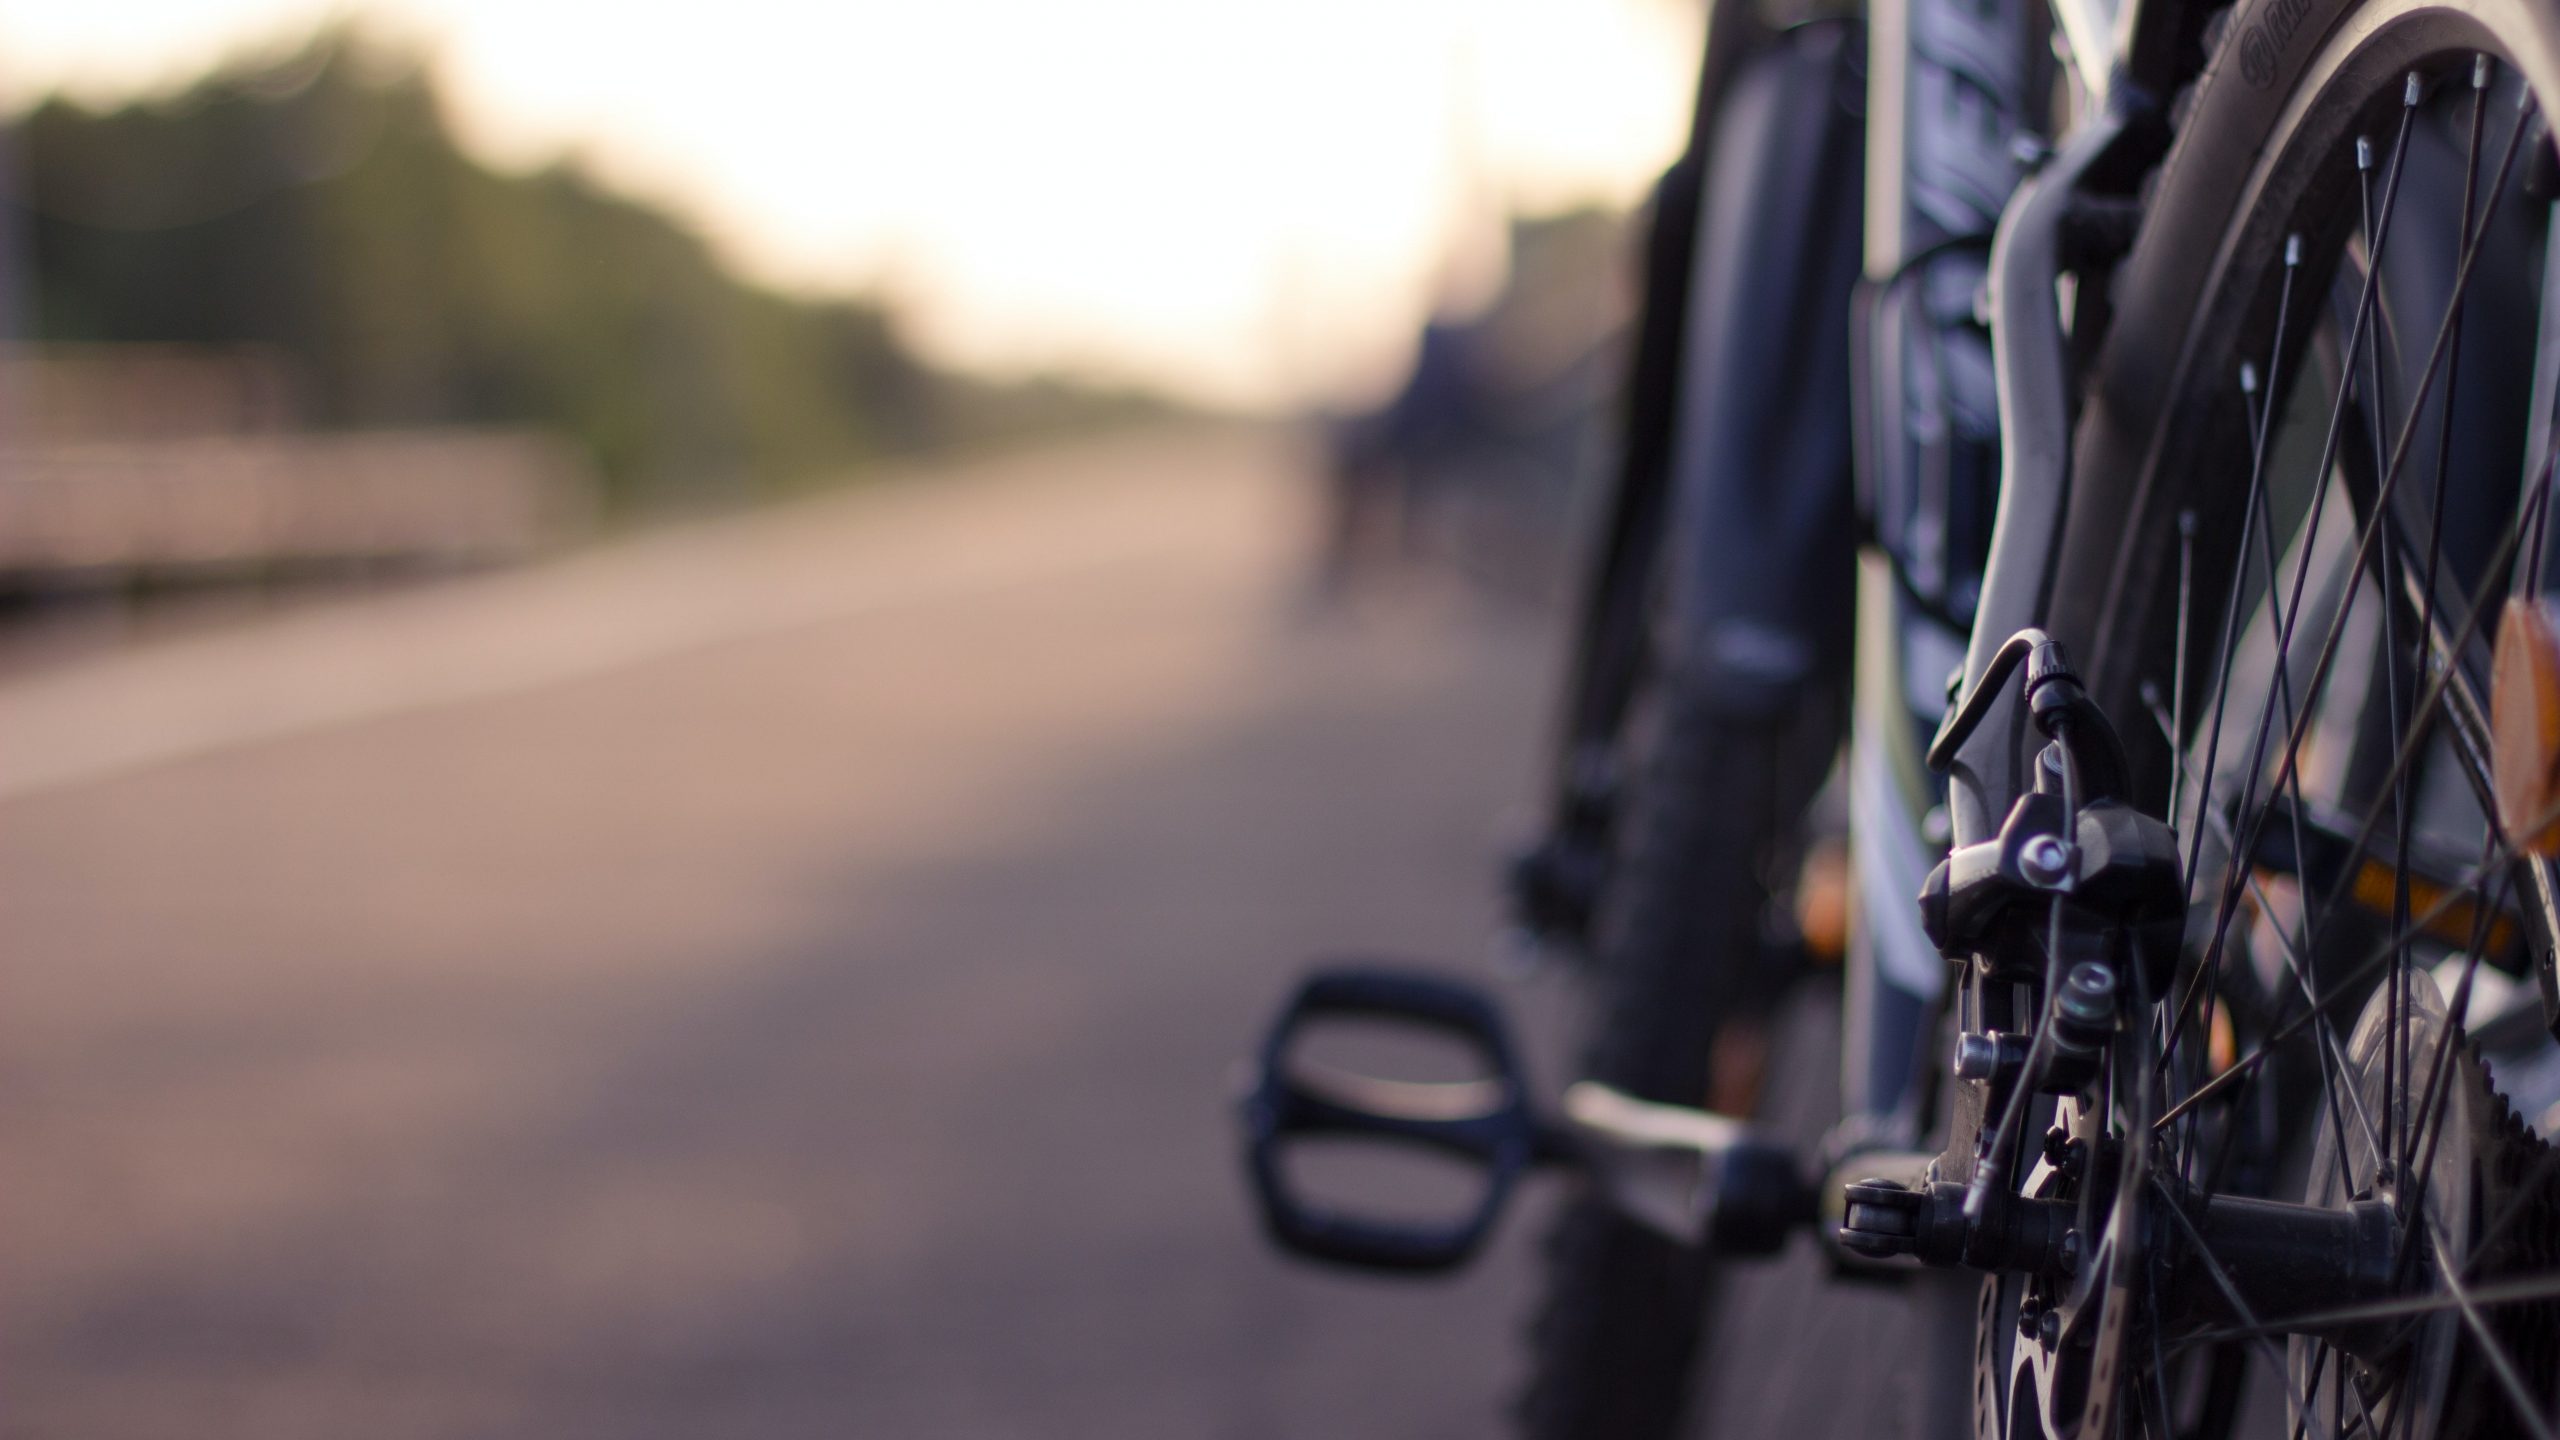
2409	92
2364	152
2480	72
2293	249
2248	378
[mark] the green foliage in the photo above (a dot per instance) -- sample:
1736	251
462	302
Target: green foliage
320	205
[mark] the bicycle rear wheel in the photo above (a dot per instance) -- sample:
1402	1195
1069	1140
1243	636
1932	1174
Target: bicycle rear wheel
2308	484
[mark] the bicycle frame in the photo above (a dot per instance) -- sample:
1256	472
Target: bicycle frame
1931	188
2117	56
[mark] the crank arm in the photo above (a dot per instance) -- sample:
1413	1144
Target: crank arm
1693	1176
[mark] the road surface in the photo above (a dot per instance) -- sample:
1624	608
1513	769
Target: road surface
772	978
775	978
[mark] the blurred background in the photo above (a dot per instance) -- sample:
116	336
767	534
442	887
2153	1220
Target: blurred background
675	681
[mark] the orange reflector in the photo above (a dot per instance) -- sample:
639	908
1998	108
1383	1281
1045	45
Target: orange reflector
2524	720
2376	888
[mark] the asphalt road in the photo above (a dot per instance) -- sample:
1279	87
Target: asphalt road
775	978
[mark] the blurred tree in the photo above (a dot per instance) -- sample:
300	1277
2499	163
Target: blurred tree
319	204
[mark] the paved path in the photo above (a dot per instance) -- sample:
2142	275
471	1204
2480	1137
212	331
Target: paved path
768	979
772	979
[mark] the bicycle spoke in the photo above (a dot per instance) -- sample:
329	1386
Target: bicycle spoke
2378	410
2437	1099
2480	71
2292	606
2536	504
2332	1055
2373	527
2501	1364
2302	1414
2505	849
2527	1291
2247	1064
2400	450
2480	75
2206	976
2261	424
2517	1206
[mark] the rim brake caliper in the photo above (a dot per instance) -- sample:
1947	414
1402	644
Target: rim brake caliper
2079	900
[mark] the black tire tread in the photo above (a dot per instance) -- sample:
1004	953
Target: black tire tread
1615	1340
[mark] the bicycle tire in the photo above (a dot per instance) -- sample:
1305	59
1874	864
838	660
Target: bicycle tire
1681	953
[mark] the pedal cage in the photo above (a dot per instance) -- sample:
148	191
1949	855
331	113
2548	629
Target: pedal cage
1287	1102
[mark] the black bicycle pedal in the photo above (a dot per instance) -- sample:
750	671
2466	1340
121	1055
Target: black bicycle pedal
1481	1119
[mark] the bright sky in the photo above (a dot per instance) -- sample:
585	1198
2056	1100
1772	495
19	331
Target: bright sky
1247	200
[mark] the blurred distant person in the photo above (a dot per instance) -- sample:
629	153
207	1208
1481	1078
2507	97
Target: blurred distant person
1379	461
1472	461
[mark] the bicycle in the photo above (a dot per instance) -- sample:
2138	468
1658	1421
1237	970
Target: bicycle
2201	364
